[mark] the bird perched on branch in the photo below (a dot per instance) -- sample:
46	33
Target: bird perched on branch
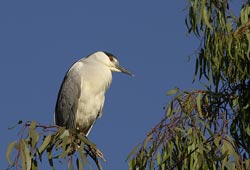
81	96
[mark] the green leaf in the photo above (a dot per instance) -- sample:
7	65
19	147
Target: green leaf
206	19
169	109
34	136
85	140
217	141
173	91
132	164
248	48
235	102
159	158
27	156
22	156
247	162
62	132
22	152
83	156
79	164
50	158
248	130
198	103
132	152
70	166
246	106
33	125
45	143
8	152
147	140
164	155
66	151
34	139
34	165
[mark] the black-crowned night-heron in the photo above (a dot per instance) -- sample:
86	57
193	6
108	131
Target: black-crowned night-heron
81	97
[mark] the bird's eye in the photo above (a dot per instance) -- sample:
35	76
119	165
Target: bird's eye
111	58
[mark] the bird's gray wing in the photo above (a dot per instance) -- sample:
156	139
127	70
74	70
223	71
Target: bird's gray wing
67	100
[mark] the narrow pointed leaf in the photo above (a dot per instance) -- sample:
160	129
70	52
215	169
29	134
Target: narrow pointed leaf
9	150
173	91
45	143
132	152
198	103
169	109
50	159
34	165
22	154
85	140
27	156
79	164
206	19
35	138
33	125
146	141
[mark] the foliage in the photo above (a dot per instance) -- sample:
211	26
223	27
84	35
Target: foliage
223	59
57	142
189	137
208	128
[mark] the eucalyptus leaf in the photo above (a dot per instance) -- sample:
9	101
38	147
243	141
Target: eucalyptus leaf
45	143
173	91
9	151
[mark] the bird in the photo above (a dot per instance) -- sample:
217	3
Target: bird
81	96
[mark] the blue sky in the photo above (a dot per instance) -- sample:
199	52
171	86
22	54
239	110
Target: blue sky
40	40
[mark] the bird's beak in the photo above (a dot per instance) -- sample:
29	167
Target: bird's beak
123	70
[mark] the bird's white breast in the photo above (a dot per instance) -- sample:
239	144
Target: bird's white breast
95	80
